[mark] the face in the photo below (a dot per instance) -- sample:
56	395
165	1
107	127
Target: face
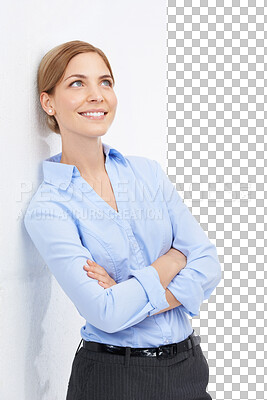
74	95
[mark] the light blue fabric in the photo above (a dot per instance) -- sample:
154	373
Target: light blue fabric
69	223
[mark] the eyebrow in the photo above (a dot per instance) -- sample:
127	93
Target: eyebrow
85	77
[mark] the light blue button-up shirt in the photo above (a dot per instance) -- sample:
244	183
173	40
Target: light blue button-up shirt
69	223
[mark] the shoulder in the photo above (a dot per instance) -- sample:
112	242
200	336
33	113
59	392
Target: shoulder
45	201
142	166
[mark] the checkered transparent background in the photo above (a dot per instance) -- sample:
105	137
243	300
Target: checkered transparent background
217	117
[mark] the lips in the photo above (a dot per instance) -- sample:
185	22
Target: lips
94	117
95	110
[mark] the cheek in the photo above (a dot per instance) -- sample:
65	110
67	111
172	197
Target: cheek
69	103
73	102
113	101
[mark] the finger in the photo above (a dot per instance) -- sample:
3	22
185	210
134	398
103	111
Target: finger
93	263
89	268
96	267
103	284
97	276
91	272
97	271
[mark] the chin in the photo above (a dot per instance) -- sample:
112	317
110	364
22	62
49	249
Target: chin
92	133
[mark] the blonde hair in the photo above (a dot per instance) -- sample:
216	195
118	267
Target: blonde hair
53	65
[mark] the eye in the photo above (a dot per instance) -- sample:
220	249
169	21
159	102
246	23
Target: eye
75	82
109	81
105	80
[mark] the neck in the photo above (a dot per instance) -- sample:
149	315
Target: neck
86	154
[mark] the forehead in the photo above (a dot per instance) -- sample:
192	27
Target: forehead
86	62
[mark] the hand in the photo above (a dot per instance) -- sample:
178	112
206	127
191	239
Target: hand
95	271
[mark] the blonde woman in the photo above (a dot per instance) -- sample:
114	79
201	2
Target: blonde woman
120	242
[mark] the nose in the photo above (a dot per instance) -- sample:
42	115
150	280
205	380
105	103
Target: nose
97	99
94	95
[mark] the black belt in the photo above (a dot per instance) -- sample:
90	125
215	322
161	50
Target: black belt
163	351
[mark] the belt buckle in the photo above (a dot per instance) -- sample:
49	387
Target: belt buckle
159	352
165	354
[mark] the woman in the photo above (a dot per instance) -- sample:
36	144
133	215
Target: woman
120	242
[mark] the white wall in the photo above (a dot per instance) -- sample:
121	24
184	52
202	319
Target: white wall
39	326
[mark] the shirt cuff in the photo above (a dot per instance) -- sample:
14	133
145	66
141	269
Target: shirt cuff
149	279
182	288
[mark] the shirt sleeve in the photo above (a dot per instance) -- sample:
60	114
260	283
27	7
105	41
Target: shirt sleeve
56	237
202	273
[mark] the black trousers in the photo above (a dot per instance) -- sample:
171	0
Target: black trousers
107	376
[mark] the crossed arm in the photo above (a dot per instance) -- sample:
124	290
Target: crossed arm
195	283
171	299
167	266
58	241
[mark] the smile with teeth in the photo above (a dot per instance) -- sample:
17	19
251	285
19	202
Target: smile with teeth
93	115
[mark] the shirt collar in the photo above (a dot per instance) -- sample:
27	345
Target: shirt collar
59	174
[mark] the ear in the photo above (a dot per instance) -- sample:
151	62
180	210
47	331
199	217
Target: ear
47	103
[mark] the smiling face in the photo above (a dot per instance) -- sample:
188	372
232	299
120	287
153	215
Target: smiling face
74	95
